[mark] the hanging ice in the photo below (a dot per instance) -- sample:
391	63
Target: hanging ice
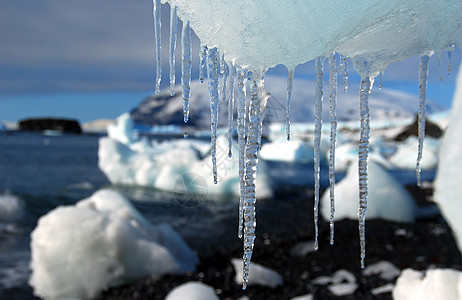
203	63
214	75
186	69
333	135
224	69
290	85
231	109
157	25
345	74
256	112
173	33
366	86
241	143
423	73
372	35
317	143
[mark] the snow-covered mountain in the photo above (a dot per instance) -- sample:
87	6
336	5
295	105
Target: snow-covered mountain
385	105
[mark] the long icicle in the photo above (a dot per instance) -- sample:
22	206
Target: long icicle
256	111
231	109
203	63
157	24
241	143
225	72
173	33
214	75
345	74
317	143
423	73
366	85
186	69
290	85
333	136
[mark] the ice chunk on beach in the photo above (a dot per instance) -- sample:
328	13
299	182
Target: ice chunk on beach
259	275
388	199
405	156
192	291
288	151
80	250
385	269
448	188
433	284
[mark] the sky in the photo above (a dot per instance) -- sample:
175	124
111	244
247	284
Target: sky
92	59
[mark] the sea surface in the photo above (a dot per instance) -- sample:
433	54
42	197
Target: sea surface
41	173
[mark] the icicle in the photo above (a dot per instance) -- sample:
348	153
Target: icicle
449	61
333	137
290	84
173	33
317	143
225	72
222	64
423	73
157	22
203	64
438	56
381	79
241	143
256	111
231	109
186	69
366	85
214	75
345	74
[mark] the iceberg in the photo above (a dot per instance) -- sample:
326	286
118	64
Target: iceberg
78	251
180	166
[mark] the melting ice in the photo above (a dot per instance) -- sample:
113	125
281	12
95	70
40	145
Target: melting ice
372	34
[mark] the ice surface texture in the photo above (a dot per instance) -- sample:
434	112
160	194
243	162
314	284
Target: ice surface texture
260	34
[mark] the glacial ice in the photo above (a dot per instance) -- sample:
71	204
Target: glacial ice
108	230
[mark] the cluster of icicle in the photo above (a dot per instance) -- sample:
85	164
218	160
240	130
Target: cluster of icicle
223	76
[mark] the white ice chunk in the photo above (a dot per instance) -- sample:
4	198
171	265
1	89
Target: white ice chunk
288	151
303	297
405	156
11	208
192	291
79	251
385	269
258	275
389	200
182	165
387	288
302	249
448	188
434	284
343	289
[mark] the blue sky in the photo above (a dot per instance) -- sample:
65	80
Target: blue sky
91	59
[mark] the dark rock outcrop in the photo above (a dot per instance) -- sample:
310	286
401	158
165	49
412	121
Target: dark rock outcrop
431	130
54	124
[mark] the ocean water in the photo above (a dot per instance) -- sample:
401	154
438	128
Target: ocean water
39	173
